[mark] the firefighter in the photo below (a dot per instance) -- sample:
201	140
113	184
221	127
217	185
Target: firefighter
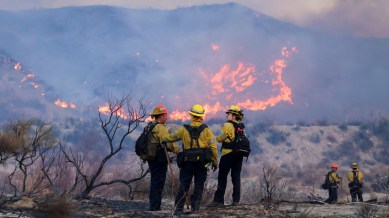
158	166
196	169
230	160
355	178
334	180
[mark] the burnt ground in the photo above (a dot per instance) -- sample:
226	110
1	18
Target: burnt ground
100	207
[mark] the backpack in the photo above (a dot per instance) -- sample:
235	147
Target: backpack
194	154
355	183
326	184
241	143
194	132
144	148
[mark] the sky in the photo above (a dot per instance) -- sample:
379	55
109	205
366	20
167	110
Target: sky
359	18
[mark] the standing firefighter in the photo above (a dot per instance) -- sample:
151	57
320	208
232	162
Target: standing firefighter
231	159
333	180
158	165
199	149
355	178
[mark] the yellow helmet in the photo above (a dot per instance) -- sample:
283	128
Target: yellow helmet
159	109
354	165
236	111
197	110
233	110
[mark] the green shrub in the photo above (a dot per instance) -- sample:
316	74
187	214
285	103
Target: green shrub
363	141
276	137
314	138
343	127
332	139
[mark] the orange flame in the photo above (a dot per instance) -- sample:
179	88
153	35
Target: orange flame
61	103
72	105
215	47
238	79
228	81
28	76
64	104
35	85
107	110
18	66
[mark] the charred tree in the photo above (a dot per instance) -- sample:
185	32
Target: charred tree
117	121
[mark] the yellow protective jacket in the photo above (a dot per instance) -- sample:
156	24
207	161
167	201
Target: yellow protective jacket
206	139
159	131
227	135
351	176
334	178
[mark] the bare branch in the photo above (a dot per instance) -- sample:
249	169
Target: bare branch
117	121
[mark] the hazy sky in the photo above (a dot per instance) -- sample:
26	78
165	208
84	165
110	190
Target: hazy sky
366	18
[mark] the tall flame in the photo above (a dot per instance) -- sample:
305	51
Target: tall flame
229	85
228	82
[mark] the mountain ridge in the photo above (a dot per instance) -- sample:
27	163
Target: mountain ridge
86	52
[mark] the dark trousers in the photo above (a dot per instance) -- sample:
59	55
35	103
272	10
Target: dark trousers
356	194
231	161
332	195
187	172
158	169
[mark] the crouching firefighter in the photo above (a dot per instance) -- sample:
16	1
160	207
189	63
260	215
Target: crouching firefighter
199	150
355	178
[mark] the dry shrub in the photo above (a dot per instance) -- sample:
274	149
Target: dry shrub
367	211
57	206
9	143
140	189
172	182
210	187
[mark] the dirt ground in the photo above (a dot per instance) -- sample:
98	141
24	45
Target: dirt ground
99	207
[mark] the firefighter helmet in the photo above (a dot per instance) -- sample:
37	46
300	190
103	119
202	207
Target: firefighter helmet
236	111
197	110
354	165
334	165
159	109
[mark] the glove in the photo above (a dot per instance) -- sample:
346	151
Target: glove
176	149
214	167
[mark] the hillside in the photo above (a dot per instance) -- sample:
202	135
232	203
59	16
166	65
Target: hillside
213	54
300	155
304	153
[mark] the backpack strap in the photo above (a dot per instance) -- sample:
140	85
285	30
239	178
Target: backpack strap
236	126
355	179
194	133
150	127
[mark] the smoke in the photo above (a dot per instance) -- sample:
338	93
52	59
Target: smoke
175	58
351	18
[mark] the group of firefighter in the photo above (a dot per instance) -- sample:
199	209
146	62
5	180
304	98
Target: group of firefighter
229	160
355	183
